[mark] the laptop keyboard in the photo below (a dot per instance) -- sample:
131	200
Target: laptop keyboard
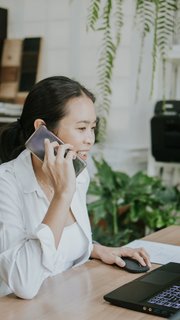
168	298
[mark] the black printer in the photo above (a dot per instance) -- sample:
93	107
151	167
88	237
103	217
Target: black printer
165	131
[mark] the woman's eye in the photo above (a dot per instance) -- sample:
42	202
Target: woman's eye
82	129
93	128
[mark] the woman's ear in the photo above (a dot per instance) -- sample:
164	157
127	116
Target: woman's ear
38	123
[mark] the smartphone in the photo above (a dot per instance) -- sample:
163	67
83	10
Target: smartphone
36	145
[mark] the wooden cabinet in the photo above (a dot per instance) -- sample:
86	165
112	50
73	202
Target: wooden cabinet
18	69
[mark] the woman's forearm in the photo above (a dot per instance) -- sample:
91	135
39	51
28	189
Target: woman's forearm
56	215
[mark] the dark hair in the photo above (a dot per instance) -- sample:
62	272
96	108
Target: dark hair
47	101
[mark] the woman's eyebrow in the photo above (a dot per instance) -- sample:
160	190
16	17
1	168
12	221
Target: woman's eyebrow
87	122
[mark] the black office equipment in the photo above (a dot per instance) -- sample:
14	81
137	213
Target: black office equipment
165	131
29	63
157	292
3	27
134	266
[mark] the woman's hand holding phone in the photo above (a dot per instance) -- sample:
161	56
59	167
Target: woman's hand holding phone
58	166
35	144
60	163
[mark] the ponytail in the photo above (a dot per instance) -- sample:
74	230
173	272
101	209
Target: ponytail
12	141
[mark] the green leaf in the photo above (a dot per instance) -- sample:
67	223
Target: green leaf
93	13
105	174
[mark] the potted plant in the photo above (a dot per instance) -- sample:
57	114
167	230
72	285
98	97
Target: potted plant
123	208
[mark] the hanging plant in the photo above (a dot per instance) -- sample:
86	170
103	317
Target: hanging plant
106	16
144	18
109	15
160	15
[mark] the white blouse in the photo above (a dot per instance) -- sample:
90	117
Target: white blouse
27	249
70	251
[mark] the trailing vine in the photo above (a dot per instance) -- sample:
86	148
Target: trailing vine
110	18
93	14
106	16
144	18
154	47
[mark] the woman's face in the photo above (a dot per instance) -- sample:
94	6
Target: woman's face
77	127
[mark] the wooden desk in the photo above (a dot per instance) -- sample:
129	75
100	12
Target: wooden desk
77	294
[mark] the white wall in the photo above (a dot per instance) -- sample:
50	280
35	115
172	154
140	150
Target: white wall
69	50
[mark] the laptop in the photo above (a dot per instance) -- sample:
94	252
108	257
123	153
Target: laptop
157	292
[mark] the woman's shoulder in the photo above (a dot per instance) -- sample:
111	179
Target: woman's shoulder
16	176
6	167
7	179
10	168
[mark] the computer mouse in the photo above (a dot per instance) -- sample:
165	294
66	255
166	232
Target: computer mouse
133	265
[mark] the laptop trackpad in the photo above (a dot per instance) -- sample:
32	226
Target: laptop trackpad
143	288
160	277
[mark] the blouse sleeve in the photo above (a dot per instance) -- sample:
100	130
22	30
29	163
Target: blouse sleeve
25	259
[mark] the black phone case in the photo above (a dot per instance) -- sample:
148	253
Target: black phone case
36	145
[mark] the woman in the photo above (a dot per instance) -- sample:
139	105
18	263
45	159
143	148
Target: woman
44	225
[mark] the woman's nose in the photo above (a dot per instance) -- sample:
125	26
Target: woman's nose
90	137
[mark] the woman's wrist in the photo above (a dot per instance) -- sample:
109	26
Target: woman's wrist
95	253
66	197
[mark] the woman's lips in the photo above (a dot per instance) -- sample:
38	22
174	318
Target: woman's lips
83	154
